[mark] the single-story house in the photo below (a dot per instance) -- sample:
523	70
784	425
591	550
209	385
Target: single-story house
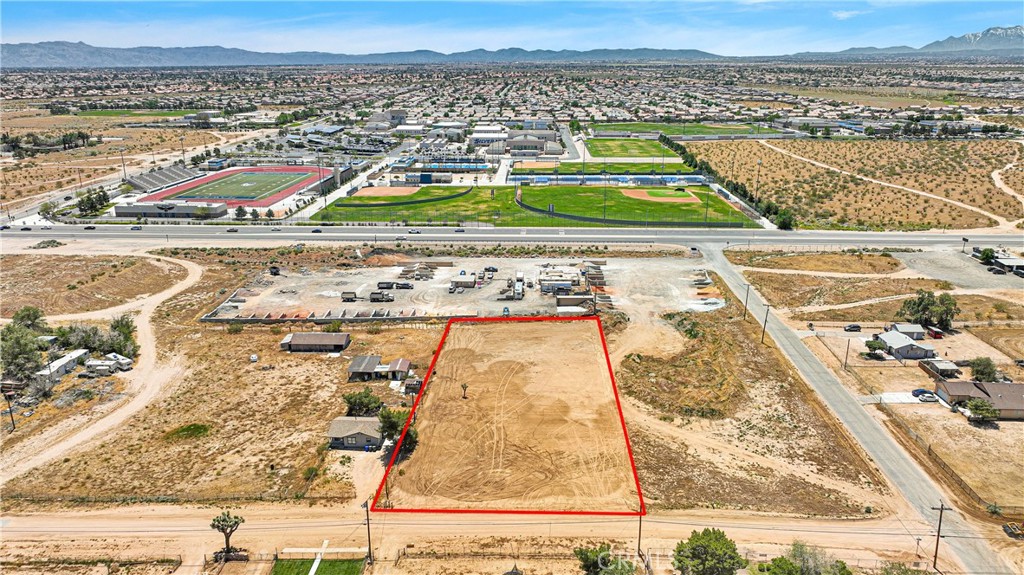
1007	398
59	367
315	341
902	346
911	330
940	368
363	367
412	385
398	369
354	433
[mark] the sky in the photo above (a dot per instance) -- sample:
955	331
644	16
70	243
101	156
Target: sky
725	27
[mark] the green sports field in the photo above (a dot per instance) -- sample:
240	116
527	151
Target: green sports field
624	148
502	211
243	186
656	167
685	129
326	567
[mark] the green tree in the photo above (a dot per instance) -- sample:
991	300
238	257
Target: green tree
19	353
409	442
984	369
391	422
982	410
600	561
227	524
927	309
270	214
785	220
255	215
124	324
240	213
30	317
780	566
875	347
708	552
363	403
987	256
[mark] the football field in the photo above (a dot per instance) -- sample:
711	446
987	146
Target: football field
242	186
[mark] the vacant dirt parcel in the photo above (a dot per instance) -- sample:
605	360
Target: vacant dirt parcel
539	429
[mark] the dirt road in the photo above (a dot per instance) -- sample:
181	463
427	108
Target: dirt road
143	385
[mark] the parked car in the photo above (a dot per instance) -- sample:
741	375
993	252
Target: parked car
852	327
317	231
928	398
275	229
90	227
999	271
919	392
136	228
68	198
5	227
232	230
490	269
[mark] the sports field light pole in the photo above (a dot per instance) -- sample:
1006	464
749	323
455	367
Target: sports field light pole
182	139
764	328
124	170
604	215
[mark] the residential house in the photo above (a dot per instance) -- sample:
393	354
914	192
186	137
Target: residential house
902	346
1007	398
315	342
354	433
911	330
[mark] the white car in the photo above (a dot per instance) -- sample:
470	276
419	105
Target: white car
275	229
46	228
413	231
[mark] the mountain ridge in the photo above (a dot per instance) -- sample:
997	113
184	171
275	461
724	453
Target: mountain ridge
998	42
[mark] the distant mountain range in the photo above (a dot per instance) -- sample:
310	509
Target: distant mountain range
997	43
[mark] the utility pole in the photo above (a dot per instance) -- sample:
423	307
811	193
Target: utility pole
757	181
10	410
369	544
764	328
847	358
639	537
124	170
938	534
746	295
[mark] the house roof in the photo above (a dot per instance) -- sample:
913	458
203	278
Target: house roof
399	365
364	364
317	338
345	425
896	340
908	328
942	364
1001	395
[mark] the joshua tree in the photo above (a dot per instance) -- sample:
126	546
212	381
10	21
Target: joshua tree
227	524
465	386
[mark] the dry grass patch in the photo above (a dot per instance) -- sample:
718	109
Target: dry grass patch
822	198
980	455
857	263
972	308
956	170
800	290
764	441
1009	340
72	284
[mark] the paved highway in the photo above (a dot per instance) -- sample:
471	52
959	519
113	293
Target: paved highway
711	237
904	474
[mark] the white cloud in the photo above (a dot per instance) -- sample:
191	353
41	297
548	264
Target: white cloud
847	14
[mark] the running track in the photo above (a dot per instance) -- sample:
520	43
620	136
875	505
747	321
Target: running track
264	203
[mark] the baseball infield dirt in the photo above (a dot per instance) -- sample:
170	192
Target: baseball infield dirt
388	191
539	428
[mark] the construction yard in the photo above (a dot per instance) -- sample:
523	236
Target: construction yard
525	416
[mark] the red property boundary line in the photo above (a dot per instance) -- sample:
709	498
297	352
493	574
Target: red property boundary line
264	203
426	383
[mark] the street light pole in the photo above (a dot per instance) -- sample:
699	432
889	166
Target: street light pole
764	328
124	170
182	140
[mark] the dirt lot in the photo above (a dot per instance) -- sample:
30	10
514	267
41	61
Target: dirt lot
822	198
45	172
539	431
733	414
978	454
972	308
86	568
74	284
859	263
800	290
956	170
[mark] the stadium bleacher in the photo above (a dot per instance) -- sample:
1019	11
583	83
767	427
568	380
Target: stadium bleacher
162	178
